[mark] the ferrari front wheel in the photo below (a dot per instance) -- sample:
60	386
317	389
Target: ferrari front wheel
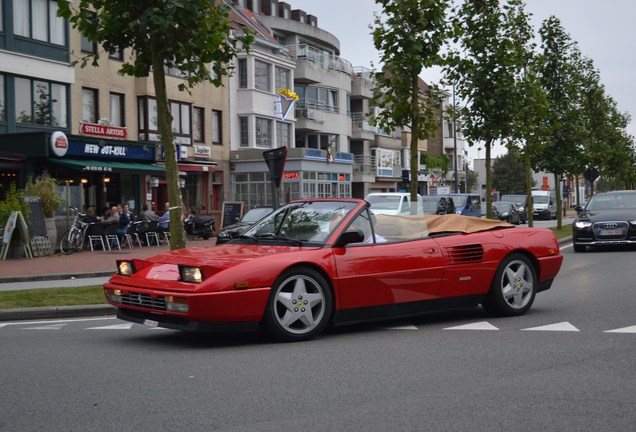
513	288
299	306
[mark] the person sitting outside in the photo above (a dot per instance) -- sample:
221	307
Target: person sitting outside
148	215
125	218
164	220
91	217
112	217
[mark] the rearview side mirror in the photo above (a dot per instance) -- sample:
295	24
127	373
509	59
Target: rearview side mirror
348	237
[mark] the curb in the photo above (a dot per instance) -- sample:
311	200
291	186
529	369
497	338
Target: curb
56	312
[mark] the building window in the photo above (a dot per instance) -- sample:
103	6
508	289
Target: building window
242	73
319	98
282	77
180	118
198	124
217	131
283	134
262	80
37	19
89	105
3	115
243	132
86	45
40	102
117	114
263	132
116	54
148	121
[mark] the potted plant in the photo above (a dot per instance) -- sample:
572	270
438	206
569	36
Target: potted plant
43	186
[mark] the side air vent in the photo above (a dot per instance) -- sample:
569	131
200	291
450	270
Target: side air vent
466	253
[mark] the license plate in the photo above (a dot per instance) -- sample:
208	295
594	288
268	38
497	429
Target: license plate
151	323
610	232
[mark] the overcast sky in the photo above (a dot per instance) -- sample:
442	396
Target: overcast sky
604	31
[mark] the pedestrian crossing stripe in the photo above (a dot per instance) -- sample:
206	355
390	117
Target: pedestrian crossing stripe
404	327
483	325
631	329
562	326
125	326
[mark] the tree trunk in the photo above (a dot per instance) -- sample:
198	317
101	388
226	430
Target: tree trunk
529	204
487	147
415	92
177	237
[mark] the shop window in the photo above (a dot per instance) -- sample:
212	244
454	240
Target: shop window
40	102
89	105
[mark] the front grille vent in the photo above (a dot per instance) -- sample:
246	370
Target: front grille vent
465	254
144	301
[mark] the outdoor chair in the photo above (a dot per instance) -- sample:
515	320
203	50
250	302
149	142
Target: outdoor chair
94	235
110	236
151	233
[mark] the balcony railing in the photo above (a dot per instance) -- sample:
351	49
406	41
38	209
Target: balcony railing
323	58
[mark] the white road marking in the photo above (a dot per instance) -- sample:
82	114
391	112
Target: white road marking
406	327
631	329
125	326
48	327
483	325
562	326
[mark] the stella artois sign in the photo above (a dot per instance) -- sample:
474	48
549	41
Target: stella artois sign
103	131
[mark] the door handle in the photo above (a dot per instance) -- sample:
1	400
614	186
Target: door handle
429	251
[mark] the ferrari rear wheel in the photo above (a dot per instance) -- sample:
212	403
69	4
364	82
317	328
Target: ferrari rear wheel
514	287
299	306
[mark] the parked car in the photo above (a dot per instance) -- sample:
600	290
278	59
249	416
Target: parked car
319	262
484	211
467	204
434	204
608	219
522	204
235	230
508	211
393	203
544	205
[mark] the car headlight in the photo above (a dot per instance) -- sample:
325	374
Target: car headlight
520	209
504	214
113	295
224	234
582	224
125	268
633	222
176	304
190	274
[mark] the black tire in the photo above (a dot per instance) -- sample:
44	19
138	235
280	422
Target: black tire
206	235
299	306
68	244
513	288
578	248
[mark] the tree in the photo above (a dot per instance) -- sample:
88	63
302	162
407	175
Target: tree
508	174
410	35
193	36
485	68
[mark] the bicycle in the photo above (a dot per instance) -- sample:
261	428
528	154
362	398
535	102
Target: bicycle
73	239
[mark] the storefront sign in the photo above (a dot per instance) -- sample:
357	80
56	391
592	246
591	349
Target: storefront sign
59	143
114	132
202	151
107	150
291	175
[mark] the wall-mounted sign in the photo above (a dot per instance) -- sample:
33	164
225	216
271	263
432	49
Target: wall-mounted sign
59	143
107	150
114	132
291	175
202	151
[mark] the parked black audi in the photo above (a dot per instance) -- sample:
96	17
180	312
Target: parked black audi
608	219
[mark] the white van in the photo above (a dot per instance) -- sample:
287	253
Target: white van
393	203
544	205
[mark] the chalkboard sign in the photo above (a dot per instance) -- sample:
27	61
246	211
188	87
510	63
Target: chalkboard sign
37	227
232	213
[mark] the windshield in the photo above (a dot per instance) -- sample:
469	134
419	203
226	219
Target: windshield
541	199
459	200
312	221
256	214
612	202
384	202
502	207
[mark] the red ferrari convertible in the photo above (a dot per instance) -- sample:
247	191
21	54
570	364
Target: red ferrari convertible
320	262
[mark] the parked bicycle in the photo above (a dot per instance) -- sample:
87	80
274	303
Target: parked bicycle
73	239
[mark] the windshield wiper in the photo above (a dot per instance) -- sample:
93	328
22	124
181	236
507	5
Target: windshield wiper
272	236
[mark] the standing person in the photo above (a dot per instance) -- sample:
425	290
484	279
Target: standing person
164	220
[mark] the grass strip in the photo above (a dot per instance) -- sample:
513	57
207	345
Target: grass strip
52	297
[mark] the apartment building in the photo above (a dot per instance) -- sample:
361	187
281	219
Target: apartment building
94	130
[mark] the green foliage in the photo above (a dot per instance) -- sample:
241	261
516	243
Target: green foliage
43	186
442	162
12	202
508	174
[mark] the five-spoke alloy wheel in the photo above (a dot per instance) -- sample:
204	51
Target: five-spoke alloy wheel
513	288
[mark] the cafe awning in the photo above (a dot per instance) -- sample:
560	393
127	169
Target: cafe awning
97	166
